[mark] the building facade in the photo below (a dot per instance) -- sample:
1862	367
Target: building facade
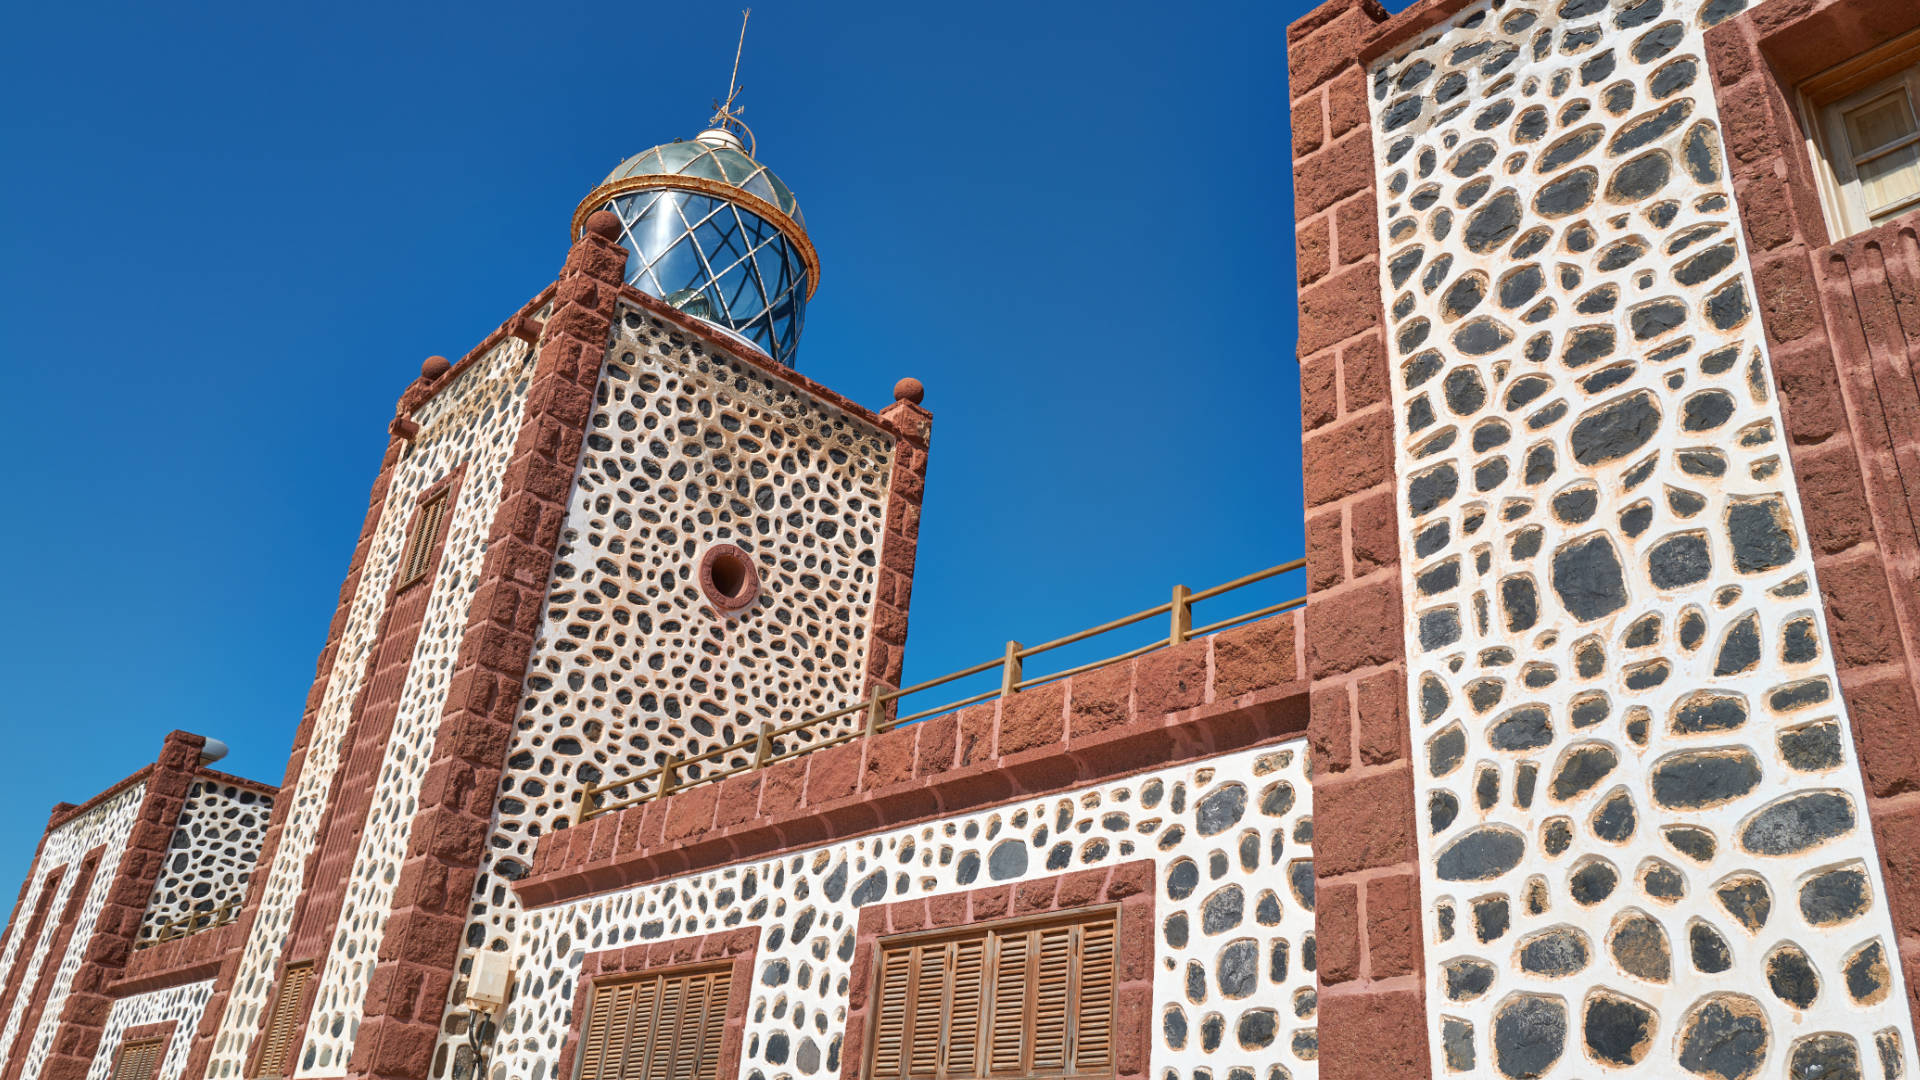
1590	748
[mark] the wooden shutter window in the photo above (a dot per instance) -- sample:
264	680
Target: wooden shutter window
276	1044
428	525
667	1026
1013	1000
139	1059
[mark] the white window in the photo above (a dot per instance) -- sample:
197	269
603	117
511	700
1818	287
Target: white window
1866	115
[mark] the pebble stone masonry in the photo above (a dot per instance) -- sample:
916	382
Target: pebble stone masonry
1570	766
1643	837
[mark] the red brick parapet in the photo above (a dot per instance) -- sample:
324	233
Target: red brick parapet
1844	343
83	1013
740	945
1128	884
178	961
1239	688
411	982
1367	922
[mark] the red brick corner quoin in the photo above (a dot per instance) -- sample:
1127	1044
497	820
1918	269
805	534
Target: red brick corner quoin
1843	342
1239	688
740	945
1373	1016
1129	884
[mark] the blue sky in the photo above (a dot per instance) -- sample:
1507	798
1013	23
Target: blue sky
236	229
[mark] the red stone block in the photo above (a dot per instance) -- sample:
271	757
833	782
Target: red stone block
889	758
1340	306
1313	249
1373	538
1257	656
1326	555
1788	296
1081	888
737	801
1336	932
1133	1013
1365	374
1833	497
1169	680
1809	391
990	903
1383	717
783	787
1356	627
934	750
1860	614
1098	699
1032	718
1348	458
1034	896
947	909
977	724
1319	390
1393	926
1130	879
1356	234
1373	1034
1309	125
1886	732
1363	822
833	773
1328	42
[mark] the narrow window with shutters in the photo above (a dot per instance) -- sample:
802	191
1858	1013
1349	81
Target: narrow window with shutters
428	525
666	1026
1013	1000
139	1059
276	1042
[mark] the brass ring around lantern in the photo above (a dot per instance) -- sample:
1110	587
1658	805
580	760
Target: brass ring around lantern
746	200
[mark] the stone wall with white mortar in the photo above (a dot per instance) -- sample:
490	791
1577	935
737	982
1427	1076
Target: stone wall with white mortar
1643	828
181	1004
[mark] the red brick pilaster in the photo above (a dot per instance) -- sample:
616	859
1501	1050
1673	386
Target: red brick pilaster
912	428
1373	1020
1844	343
211	1017
410	986
83	1015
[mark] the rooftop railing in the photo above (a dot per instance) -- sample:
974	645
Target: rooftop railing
665	779
192	923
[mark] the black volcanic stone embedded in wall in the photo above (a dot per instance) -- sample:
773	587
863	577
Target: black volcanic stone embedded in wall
1835	896
1481	854
1724	1038
1616	429
1617	1029
1867	974
1639	945
1678	561
1761	535
1746	898
1791	977
1708	949
1581	769
1588	578
1697	779
1826	1056
1568	194
1798	822
1529	1035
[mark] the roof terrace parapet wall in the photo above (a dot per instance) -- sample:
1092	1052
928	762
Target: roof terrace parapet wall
1241	687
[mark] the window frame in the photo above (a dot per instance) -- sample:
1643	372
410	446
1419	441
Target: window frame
158	1043
738	947
992	931
428	527
1825	98
679	971
293	1008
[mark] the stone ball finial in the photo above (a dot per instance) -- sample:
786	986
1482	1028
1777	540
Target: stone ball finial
909	389
433	367
603	224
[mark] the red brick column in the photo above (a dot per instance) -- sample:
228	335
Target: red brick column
912	427
411	984
215	1012
1373	1019
83	1016
1844	342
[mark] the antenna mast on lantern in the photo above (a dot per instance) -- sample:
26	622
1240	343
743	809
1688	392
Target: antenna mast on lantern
725	116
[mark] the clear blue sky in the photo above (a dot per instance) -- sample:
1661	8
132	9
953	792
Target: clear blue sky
234	230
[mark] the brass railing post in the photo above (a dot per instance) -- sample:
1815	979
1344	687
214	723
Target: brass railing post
764	748
585	811
669	779
873	711
1010	670
1182	616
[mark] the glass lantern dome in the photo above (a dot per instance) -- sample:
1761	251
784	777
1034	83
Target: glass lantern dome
715	234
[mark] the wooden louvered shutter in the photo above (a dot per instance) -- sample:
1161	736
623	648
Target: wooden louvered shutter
276	1045
657	1027
427	527
1093	1020
968	1005
891	1010
138	1060
1007	1031
1052	993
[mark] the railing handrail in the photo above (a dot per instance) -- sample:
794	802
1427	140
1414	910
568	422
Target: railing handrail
182	925
1178	609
